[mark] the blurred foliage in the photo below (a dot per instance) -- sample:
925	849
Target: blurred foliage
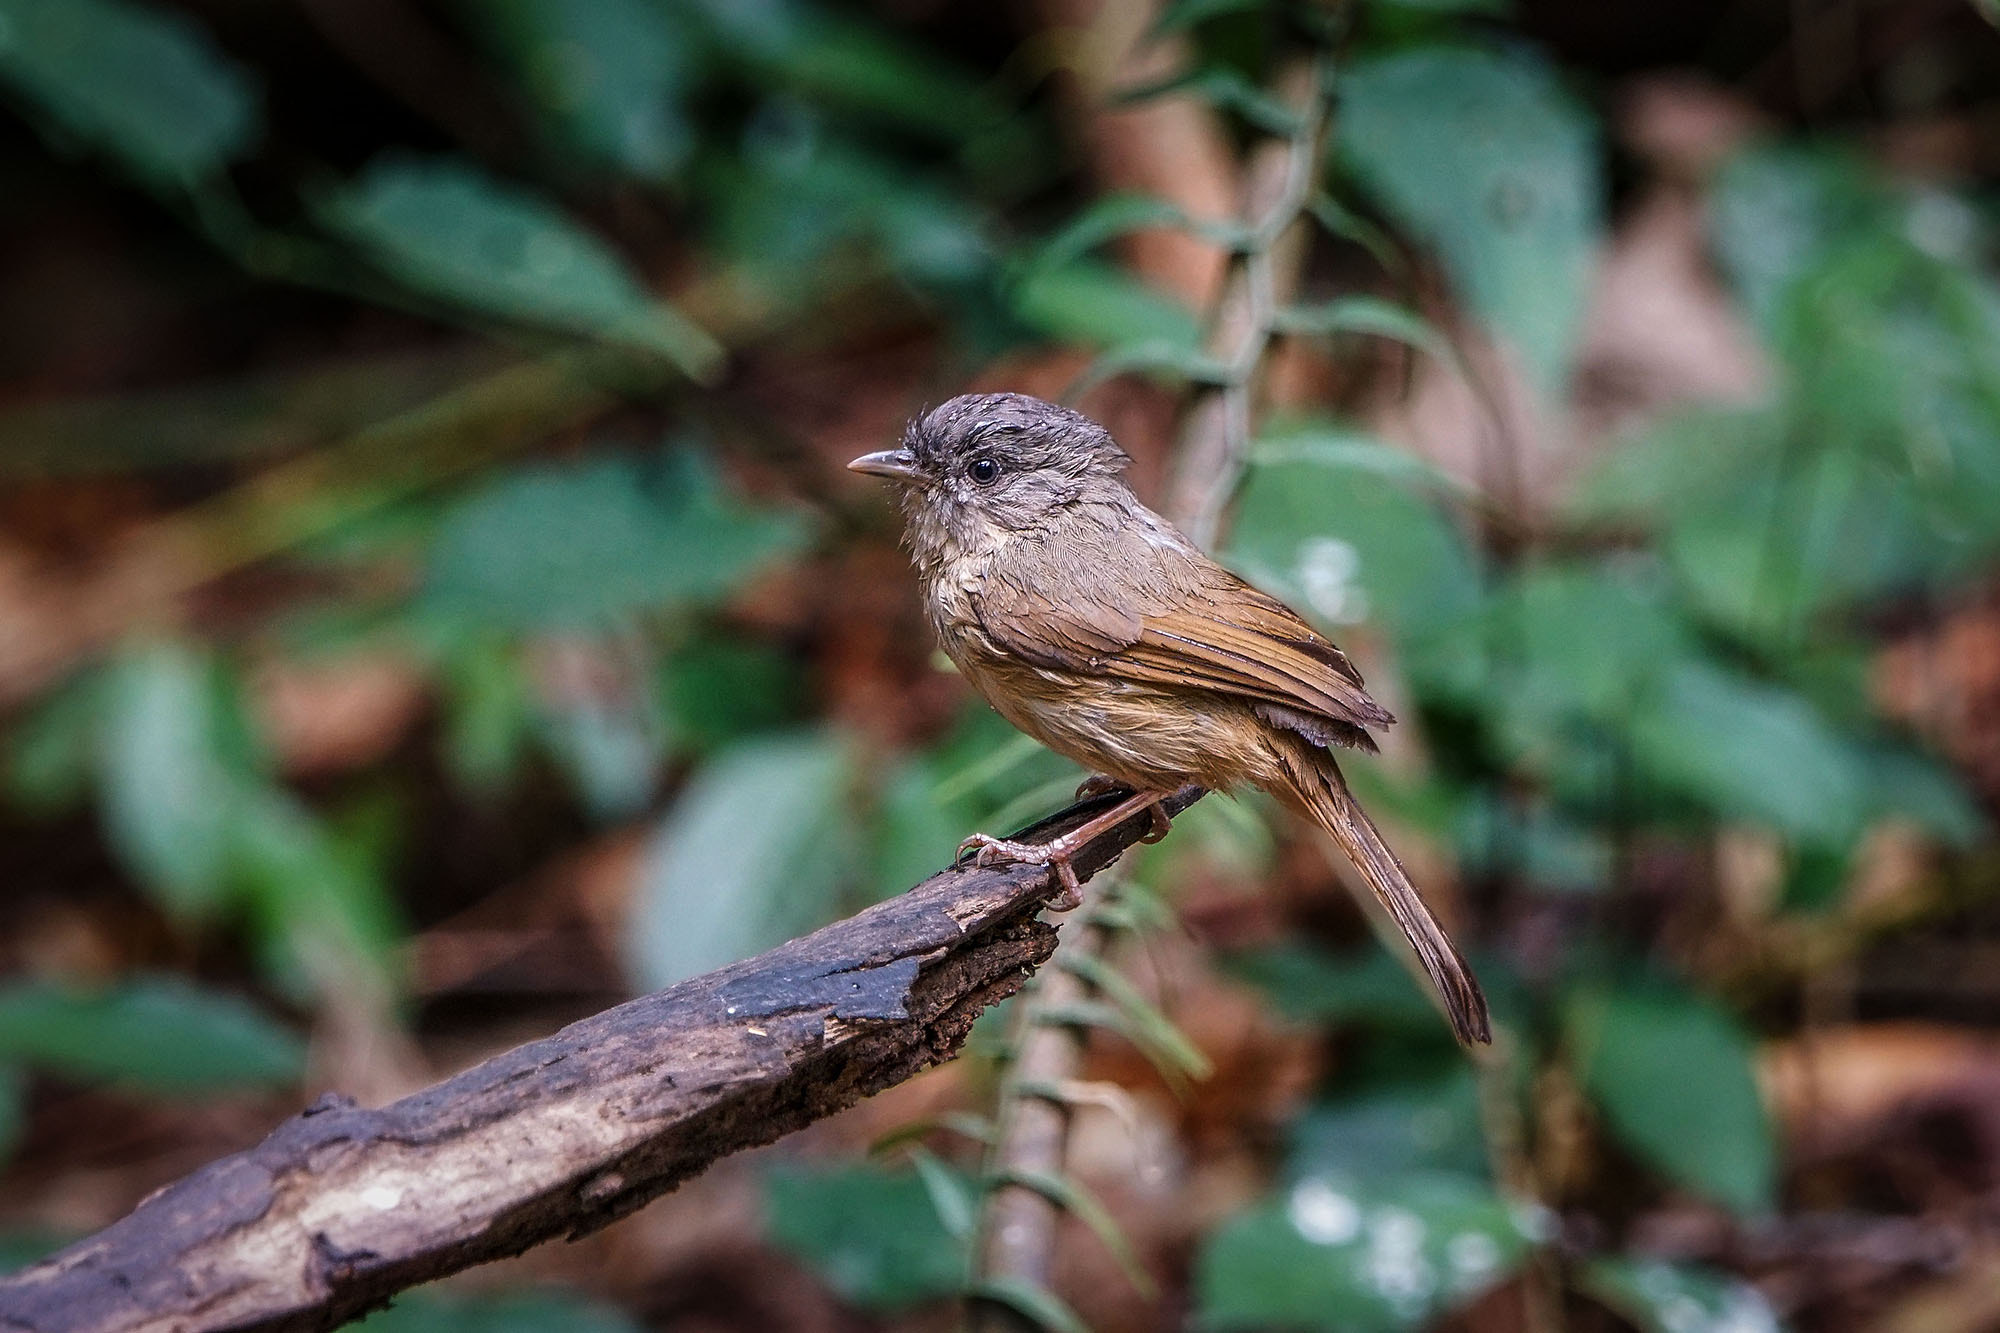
1677	652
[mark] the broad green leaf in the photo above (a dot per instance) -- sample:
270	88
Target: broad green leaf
610	75
1926	792
139	82
865	67
1100	306
1751	751
792	217
612	751
1583	641
428	1311
1674	1076
1661	1297
168	791
1330	1253
753	852
1347	544
1541	844
1487	157
718	690
872	1233
448	230
1775	213
1339	447
588	546
489	709
1120	215
325	918
1386	1131
156	1033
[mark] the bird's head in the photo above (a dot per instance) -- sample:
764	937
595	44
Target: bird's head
986	467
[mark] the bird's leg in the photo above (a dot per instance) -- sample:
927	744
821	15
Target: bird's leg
1103	784
1059	853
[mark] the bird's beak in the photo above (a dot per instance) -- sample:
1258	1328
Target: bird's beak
895	464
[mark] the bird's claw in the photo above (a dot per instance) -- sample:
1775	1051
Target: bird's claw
988	850
1101	784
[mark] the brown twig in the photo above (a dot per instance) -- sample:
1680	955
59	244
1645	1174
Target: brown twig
341	1207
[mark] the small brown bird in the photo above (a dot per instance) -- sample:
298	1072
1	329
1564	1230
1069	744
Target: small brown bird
1092	624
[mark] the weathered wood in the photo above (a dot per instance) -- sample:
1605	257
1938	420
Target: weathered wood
342	1207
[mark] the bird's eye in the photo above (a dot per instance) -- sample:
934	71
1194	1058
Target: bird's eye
984	471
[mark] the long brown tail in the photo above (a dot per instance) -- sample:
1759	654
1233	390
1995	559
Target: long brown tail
1318	791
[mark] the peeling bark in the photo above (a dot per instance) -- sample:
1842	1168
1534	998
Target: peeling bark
342	1207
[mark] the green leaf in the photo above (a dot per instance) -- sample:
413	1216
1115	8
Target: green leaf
1751	751
718	690
1100	306
166	786
1349	1258
52	750
1919	788
610	75
872	1233
1661	1297
865	68
489	709
1367	315
426	1311
1338	447
1165	1045
155	1033
324	916
753	852
1386	1131
1673	1074
1071	1195
1346	543
1120	215
589	545
1776	212
446	229
1228	90
1041	1307
1152	356
142	84
1487	157
1561	643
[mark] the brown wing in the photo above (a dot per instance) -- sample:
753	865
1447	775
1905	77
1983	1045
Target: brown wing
1115	603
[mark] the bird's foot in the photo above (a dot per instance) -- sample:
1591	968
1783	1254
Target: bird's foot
1057	854
1103	784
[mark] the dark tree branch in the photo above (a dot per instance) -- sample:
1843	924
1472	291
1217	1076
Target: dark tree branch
341	1207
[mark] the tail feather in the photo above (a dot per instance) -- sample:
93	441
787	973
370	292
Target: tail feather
1318	790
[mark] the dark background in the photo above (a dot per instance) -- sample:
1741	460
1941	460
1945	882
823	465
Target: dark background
432	608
